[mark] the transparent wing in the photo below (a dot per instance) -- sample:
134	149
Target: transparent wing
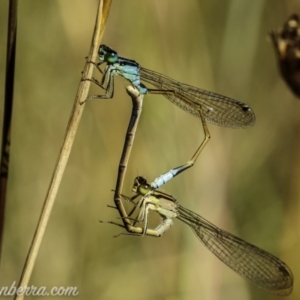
217	109
254	264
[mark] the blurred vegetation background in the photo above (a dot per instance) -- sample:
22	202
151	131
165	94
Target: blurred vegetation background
245	181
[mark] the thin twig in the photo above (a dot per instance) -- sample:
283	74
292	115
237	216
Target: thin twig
66	148
8	106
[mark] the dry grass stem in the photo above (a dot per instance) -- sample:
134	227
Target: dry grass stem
102	14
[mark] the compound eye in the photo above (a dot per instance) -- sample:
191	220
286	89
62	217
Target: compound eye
143	189
111	57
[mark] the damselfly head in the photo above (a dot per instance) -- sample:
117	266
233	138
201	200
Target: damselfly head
107	54
141	186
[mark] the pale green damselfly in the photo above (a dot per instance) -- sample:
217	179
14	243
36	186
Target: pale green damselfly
252	263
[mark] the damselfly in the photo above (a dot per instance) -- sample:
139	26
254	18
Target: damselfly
254	264
208	106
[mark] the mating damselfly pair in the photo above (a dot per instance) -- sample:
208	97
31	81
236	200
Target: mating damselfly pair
251	262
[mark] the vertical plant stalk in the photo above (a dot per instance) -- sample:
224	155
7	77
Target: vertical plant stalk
102	15
8	106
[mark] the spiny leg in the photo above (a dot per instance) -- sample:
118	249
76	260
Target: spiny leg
96	65
109	89
95	81
146	204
